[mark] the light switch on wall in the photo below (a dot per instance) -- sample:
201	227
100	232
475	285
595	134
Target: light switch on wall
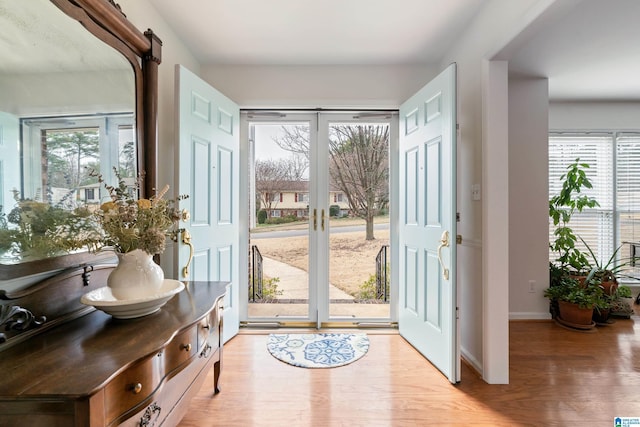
475	192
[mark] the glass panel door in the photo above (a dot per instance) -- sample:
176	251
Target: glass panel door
319	228
357	192
279	285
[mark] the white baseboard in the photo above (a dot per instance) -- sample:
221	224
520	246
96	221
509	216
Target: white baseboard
475	364
523	315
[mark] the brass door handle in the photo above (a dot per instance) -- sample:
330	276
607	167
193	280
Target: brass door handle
186	239
444	243
322	220
315	219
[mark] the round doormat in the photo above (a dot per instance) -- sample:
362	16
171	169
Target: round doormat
318	350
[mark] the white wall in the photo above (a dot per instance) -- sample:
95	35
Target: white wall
594	116
528	198
318	86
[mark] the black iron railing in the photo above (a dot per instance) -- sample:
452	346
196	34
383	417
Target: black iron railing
255	292
382	274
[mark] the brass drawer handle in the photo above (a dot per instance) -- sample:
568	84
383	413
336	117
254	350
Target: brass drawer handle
136	388
185	347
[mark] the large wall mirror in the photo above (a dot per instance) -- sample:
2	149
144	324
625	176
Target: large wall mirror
77	94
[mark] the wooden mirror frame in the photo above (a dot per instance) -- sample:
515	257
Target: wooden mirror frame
106	21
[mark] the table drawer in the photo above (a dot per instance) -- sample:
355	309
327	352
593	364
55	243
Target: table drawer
209	329
132	386
181	348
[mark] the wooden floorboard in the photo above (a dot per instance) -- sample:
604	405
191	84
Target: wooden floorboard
558	377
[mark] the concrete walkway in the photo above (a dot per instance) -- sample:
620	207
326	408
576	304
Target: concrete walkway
294	282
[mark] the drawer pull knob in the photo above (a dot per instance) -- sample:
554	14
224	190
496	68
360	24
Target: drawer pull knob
205	327
185	347
136	388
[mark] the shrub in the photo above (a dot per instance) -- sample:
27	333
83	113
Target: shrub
262	216
334	210
367	290
282	219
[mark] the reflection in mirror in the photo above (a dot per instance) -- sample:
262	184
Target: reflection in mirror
67	104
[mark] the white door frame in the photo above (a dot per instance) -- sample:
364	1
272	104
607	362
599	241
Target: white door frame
318	262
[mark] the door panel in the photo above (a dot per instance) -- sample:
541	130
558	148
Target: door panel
207	164
427	312
280	264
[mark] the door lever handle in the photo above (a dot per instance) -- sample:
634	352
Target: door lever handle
444	243
186	239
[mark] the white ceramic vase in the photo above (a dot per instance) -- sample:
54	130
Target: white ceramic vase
136	276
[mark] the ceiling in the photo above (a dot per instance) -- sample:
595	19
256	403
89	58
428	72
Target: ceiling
588	49
318	32
591	52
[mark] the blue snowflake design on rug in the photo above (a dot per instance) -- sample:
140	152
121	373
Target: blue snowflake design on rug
318	350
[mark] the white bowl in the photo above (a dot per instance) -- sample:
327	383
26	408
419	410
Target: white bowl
102	299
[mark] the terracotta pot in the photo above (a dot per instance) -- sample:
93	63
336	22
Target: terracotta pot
571	313
601	316
609	287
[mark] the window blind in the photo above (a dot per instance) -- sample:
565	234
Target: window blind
596	225
628	191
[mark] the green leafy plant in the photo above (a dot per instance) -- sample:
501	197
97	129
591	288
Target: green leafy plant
609	270
269	288
562	207
623	291
586	295
367	290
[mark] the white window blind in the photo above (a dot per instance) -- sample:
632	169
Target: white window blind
614	160
628	192
595	226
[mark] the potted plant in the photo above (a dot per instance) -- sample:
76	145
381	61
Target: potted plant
622	303
570	261
576	301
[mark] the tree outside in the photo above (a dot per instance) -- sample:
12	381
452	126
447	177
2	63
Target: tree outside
70	154
359	164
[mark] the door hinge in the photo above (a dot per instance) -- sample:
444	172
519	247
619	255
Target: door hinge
457	313
459	239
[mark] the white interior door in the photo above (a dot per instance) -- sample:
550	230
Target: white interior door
427	231
208	171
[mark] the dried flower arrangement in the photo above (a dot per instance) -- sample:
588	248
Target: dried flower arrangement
127	223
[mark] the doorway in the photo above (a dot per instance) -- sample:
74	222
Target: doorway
319	218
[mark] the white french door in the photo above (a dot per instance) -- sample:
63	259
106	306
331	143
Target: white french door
207	165
427	247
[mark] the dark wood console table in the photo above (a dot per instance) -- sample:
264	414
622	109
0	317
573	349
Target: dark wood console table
99	371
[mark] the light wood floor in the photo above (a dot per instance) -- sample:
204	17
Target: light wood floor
557	378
